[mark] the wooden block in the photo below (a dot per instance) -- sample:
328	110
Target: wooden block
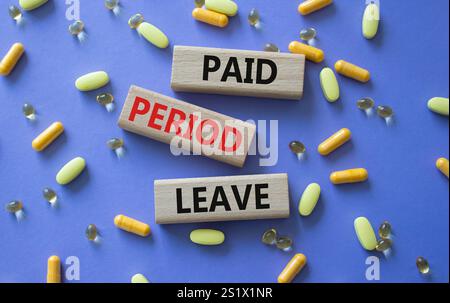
238	72
221	199
184	125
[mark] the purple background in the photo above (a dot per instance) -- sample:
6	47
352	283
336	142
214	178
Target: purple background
409	64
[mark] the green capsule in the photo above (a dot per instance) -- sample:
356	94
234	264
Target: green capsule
383	245
135	21
384	231
253	18
365	103
91	232
107	100
29	111
284	243
269	237
50	195
422	265
385	111
297	147
14	206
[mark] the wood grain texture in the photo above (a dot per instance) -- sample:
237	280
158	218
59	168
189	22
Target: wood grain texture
188	73
150	114
267	197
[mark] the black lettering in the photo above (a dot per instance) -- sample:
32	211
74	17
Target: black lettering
242	203
180	209
259	196
248	77
198	200
223	202
259	69
232	63
207	69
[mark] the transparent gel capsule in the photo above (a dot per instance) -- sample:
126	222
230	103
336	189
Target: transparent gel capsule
107	100
254	19
297	148
15	13
92	233
384	231
15	207
117	146
270	47
269	237
383	245
29	111
366	104
284	243
422	265
77	29
113	5
135	21
308	34
386	113
50	195
199	3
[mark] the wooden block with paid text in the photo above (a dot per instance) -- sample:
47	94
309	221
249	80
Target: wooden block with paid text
187	127
221	198
238	72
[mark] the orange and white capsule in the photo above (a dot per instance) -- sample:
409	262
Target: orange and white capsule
54	270
311	53
352	71
309	6
354	175
443	165
47	136
210	17
132	225
292	269
11	58
334	142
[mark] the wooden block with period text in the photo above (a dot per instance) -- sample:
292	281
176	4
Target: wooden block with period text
238	72
221	198
186	126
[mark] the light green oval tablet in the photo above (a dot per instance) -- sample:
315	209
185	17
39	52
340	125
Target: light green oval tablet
309	199
371	20
153	35
365	233
70	171
29	5
226	7
139	278
207	236
439	105
330	86
92	81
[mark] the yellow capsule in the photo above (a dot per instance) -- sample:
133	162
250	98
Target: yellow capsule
54	270
11	58
442	165
131	225
292	269
334	142
47	136
352	71
311	53
310	6
210	17
349	176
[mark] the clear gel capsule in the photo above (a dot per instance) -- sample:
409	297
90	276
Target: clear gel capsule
254	18
15	13
15	207
199	3
386	113
383	245
29	111
113	5
384	231
270	47
422	265
365	103
117	146
77	29
269	237
308	34
92	233
135	21
107	100
284	243
50	195
297	148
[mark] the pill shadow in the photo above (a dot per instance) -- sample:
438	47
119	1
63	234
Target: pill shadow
303	275
18	69
317	213
42	12
80	182
322	14
340	153
54	147
354	187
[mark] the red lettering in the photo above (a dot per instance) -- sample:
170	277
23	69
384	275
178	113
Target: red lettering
188	133
214	135
171	120
135	109
237	141
156	116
